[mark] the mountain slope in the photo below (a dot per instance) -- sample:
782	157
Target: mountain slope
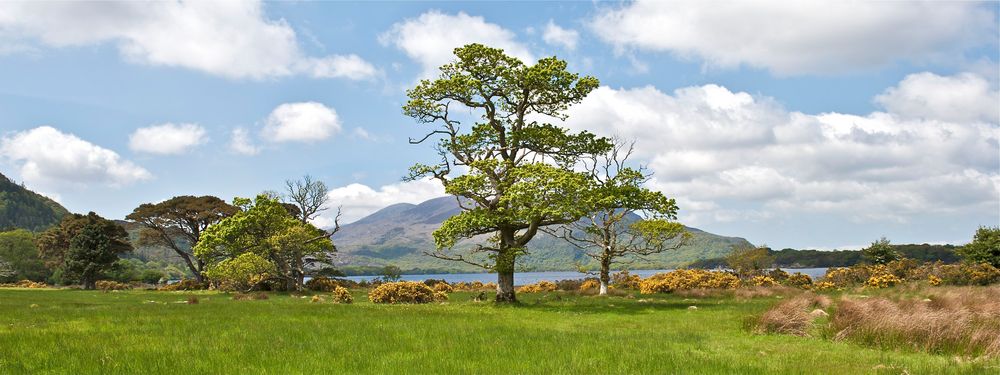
23	208
400	234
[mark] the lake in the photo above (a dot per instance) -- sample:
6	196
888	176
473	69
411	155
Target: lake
522	278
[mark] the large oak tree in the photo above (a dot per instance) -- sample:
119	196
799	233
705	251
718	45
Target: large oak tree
512	171
83	247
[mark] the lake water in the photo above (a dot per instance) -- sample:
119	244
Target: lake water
522	278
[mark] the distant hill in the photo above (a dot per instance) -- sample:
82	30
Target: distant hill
25	209
400	234
792	258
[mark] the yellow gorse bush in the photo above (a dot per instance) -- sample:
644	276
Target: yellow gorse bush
541	286
589	284
342	295
443	287
885	280
402	292
109	285
762	281
688	279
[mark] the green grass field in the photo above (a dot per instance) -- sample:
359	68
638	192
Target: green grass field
140	332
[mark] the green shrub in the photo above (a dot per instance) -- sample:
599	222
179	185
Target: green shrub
401	292
625	280
109	285
184	284
322	284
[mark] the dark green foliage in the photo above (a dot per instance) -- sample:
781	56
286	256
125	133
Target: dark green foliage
83	247
25	209
880	252
19	254
985	247
792	258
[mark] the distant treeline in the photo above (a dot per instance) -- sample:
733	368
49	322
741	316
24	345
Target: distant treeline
792	258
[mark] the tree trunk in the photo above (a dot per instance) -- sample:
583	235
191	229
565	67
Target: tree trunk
88	284
605	276
505	267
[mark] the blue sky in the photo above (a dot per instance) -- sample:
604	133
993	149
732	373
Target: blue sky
818	125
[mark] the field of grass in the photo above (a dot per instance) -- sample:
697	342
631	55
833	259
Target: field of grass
145	332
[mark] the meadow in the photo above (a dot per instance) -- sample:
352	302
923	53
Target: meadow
64	331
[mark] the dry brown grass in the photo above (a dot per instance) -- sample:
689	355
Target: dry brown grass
960	320
792	316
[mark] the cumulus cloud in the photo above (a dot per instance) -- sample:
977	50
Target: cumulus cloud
558	36
358	200
241	143
232	39
828	37
51	159
431	38
301	122
167	139
961	98
732	156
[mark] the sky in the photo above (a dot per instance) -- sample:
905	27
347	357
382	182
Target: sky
793	124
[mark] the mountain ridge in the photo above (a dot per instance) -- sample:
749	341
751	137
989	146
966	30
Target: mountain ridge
400	234
26	209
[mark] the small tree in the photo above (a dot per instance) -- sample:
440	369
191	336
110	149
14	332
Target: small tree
611	231
515	172
984	248
747	261
880	252
391	273
84	247
242	273
264	226
178	223
309	197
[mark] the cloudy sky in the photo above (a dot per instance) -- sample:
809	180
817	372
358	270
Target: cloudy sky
795	124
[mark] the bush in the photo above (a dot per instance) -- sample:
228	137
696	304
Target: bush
25	284
762	281
570	285
322	284
688	279
243	272
933	280
590	285
473	286
539	287
402	292
800	280
778	275
432	282
342	295
443	287
152	276
625	280
885	280
184	284
440	296
108	285
824	285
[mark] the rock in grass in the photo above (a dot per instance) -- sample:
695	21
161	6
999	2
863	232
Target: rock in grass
818	313
692	307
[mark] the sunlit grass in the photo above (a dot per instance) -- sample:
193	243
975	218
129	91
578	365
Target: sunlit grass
78	332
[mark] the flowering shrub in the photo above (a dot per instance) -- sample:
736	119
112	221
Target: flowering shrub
401	292
824	285
688	279
342	295
800	280
933	280
109	285
25	284
541	286
884	280
778	275
589	285
440	296
762	281
322	284
625	280
443	288
185	284
842	277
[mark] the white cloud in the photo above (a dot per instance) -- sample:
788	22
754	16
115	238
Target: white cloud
431	38
301	122
801	36
558	36
358	200
240	143
350	67
232	39
51	159
960	98
733	156
166	139
364	134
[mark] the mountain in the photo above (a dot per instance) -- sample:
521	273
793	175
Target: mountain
23	208
400	234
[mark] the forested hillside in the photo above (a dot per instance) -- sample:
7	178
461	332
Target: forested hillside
25	209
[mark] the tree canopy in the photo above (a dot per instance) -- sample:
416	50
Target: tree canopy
512	169
263	226
178	224
985	247
880	252
83	247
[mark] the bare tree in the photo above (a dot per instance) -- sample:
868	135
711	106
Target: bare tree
308	195
613	229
